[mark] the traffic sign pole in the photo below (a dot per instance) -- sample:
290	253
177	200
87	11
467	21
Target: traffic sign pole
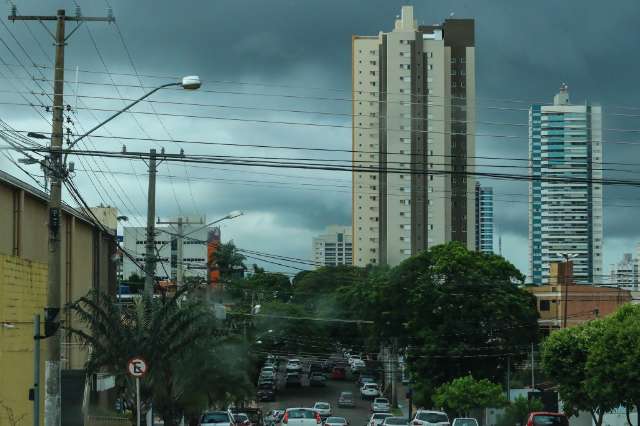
137	367
138	398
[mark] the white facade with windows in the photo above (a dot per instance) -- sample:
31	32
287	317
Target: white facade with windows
624	274
333	247
194	251
565	194
413	125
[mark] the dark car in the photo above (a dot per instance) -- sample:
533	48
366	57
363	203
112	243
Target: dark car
293	380
317	379
346	400
266	392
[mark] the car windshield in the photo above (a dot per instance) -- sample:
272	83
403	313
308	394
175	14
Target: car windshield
395	421
322	405
379	416
433	417
301	414
370	386
336	420
240	417
465	422
381	401
221	417
548	420
346	395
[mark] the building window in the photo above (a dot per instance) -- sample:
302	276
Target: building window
545	305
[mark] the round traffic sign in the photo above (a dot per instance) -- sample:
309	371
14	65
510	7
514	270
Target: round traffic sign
137	367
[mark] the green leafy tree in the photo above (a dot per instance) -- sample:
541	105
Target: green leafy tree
582	385
517	412
456	309
614	357
167	332
229	260
464	394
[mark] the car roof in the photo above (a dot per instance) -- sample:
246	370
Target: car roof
431	411
300	408
546	413
382	414
321	402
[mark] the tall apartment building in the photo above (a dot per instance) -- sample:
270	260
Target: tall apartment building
413	139
194	251
334	247
484	218
565	204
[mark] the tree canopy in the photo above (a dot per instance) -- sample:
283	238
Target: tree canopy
464	394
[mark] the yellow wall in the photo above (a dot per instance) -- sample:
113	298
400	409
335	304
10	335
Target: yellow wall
23	290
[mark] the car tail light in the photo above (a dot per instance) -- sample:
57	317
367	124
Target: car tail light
285	419
318	418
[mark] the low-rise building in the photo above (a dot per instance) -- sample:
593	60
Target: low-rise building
334	247
562	303
87	252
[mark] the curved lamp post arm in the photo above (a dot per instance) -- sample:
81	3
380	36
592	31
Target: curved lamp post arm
93	129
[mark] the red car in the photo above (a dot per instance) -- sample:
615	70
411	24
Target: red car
338	373
543	418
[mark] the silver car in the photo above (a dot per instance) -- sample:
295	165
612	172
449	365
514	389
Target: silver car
395	421
336	421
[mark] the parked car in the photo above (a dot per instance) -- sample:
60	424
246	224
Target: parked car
369	391
365	378
395	421
267	375
301	417
346	400
336	421
253	414
268	368
294	364
464	421
430	418
380	405
354	357
266	381
338	373
216	418
357	365
274	417
241	419
543	418
317	379
376	419
293	379
266	392
323	408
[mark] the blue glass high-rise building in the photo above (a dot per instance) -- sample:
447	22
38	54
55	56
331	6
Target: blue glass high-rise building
565	191
484	218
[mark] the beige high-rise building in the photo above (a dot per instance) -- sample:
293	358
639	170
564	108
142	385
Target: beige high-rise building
413	139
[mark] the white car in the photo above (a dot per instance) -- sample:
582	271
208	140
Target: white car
376	419
269	368
336	421
380	405
354	357
294	365
357	364
430	418
323	408
216	418
465	421
369	391
395	421
301	417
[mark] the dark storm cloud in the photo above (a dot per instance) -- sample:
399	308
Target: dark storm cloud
524	51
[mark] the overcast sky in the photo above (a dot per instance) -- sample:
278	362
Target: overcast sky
301	49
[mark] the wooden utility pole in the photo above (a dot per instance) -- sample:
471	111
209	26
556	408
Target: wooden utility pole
58	172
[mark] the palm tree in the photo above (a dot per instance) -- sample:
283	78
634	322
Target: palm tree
167	332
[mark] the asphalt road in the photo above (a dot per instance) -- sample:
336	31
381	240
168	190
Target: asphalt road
307	396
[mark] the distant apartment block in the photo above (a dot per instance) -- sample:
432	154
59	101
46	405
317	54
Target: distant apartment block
624	274
194	262
565	192
333	247
484	218
413	139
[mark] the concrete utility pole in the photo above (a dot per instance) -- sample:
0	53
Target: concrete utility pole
180	245
52	402
150	242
